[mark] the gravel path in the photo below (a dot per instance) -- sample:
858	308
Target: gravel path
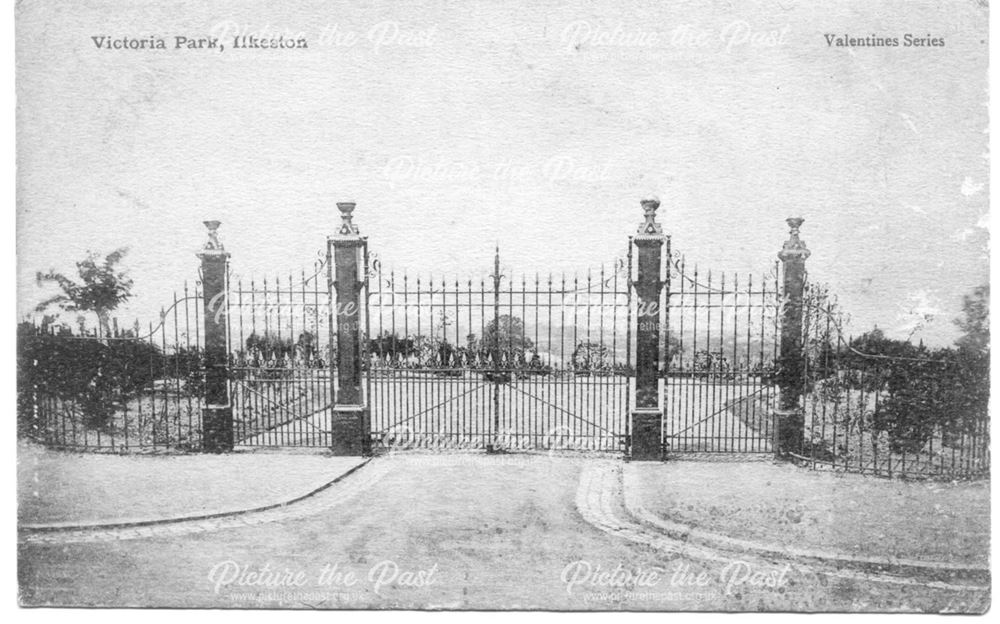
458	531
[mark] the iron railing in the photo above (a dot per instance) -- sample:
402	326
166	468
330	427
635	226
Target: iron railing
506	361
891	408
135	389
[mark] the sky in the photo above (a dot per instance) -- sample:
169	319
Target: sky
536	126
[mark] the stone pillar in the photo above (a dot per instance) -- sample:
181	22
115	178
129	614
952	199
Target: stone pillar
351	424
789	418
647	418
217	415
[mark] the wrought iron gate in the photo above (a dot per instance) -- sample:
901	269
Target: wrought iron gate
720	344
500	362
280	344
507	361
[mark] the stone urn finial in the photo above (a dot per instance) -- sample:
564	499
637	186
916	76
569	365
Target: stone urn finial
794	246
212	249
213	243
650	227
347	228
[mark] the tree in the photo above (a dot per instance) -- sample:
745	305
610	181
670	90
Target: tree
715	361
101	288
673	346
444	322
268	346
306	345
471	354
590	356
508	337
970	391
975	323
912	391
391	347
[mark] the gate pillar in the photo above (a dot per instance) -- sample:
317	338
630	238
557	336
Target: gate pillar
789	418
217	415
647	417
350	423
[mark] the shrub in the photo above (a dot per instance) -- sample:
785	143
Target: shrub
97	376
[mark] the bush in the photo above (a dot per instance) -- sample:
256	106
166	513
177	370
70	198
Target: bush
97	376
916	391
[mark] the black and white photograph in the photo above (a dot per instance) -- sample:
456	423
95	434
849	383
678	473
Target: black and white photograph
503	306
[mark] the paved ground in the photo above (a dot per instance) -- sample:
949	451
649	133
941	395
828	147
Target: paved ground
452	531
787	506
59	487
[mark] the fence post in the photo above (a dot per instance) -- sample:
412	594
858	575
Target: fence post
217	415
647	419
789	425
350	424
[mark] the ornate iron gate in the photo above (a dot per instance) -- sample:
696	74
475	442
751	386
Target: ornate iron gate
506	361
721	339
279	338
500	362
